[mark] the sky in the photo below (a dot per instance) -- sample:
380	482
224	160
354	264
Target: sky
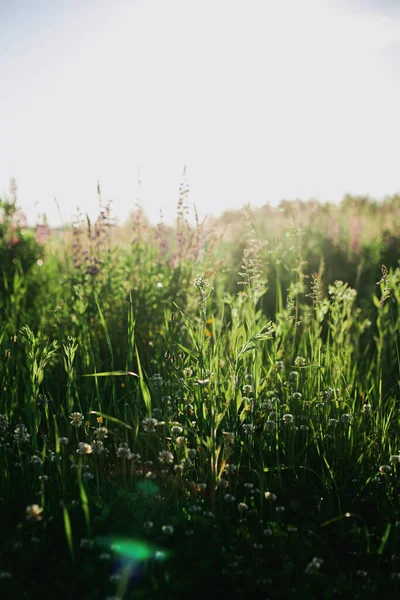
260	100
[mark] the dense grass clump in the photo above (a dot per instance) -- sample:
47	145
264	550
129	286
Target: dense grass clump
202	409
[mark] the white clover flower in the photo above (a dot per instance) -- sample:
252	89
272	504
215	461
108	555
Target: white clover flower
385	469
230	468
345	418
248	428
21	434
201	486
149	424
192	453
5	575
270	425
280	509
101	433
248	486
288	419
84	448
33	513
279	366
88	476
76	419
222	483
97	447
229	498
63	441
167	529
333	423
36	460
43	478
270	496
395	458
176	430
165	457
313	566
366	408
304	428
247	390
242	507
123	451
87	544
299	361
297	396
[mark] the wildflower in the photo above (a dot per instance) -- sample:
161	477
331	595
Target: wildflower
97	447
149	424
63	441
304	428
157	381
87	544
230	468
222	483
42	401
167	529
84	448
395	458
21	434
176	429
333	423
34	512
329	393
76	419
242	507
123	451
165	457
201	487
5	575
366	408
313	566
385	469
297	396
148	525
248	486
293	375
188	372
280	509
136	457
279	366
248	428
268	531
43	478
101	433
299	361
270	496
105	556
361	573
192	453
36	460
88	476
229	498
288	419
345	418
247	390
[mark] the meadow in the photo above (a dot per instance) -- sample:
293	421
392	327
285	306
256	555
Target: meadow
201	409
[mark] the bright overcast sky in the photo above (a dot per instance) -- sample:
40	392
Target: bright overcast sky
260	99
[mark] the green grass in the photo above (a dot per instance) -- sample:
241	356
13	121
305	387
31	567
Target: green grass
188	424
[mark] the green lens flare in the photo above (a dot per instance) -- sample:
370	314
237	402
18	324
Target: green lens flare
135	550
